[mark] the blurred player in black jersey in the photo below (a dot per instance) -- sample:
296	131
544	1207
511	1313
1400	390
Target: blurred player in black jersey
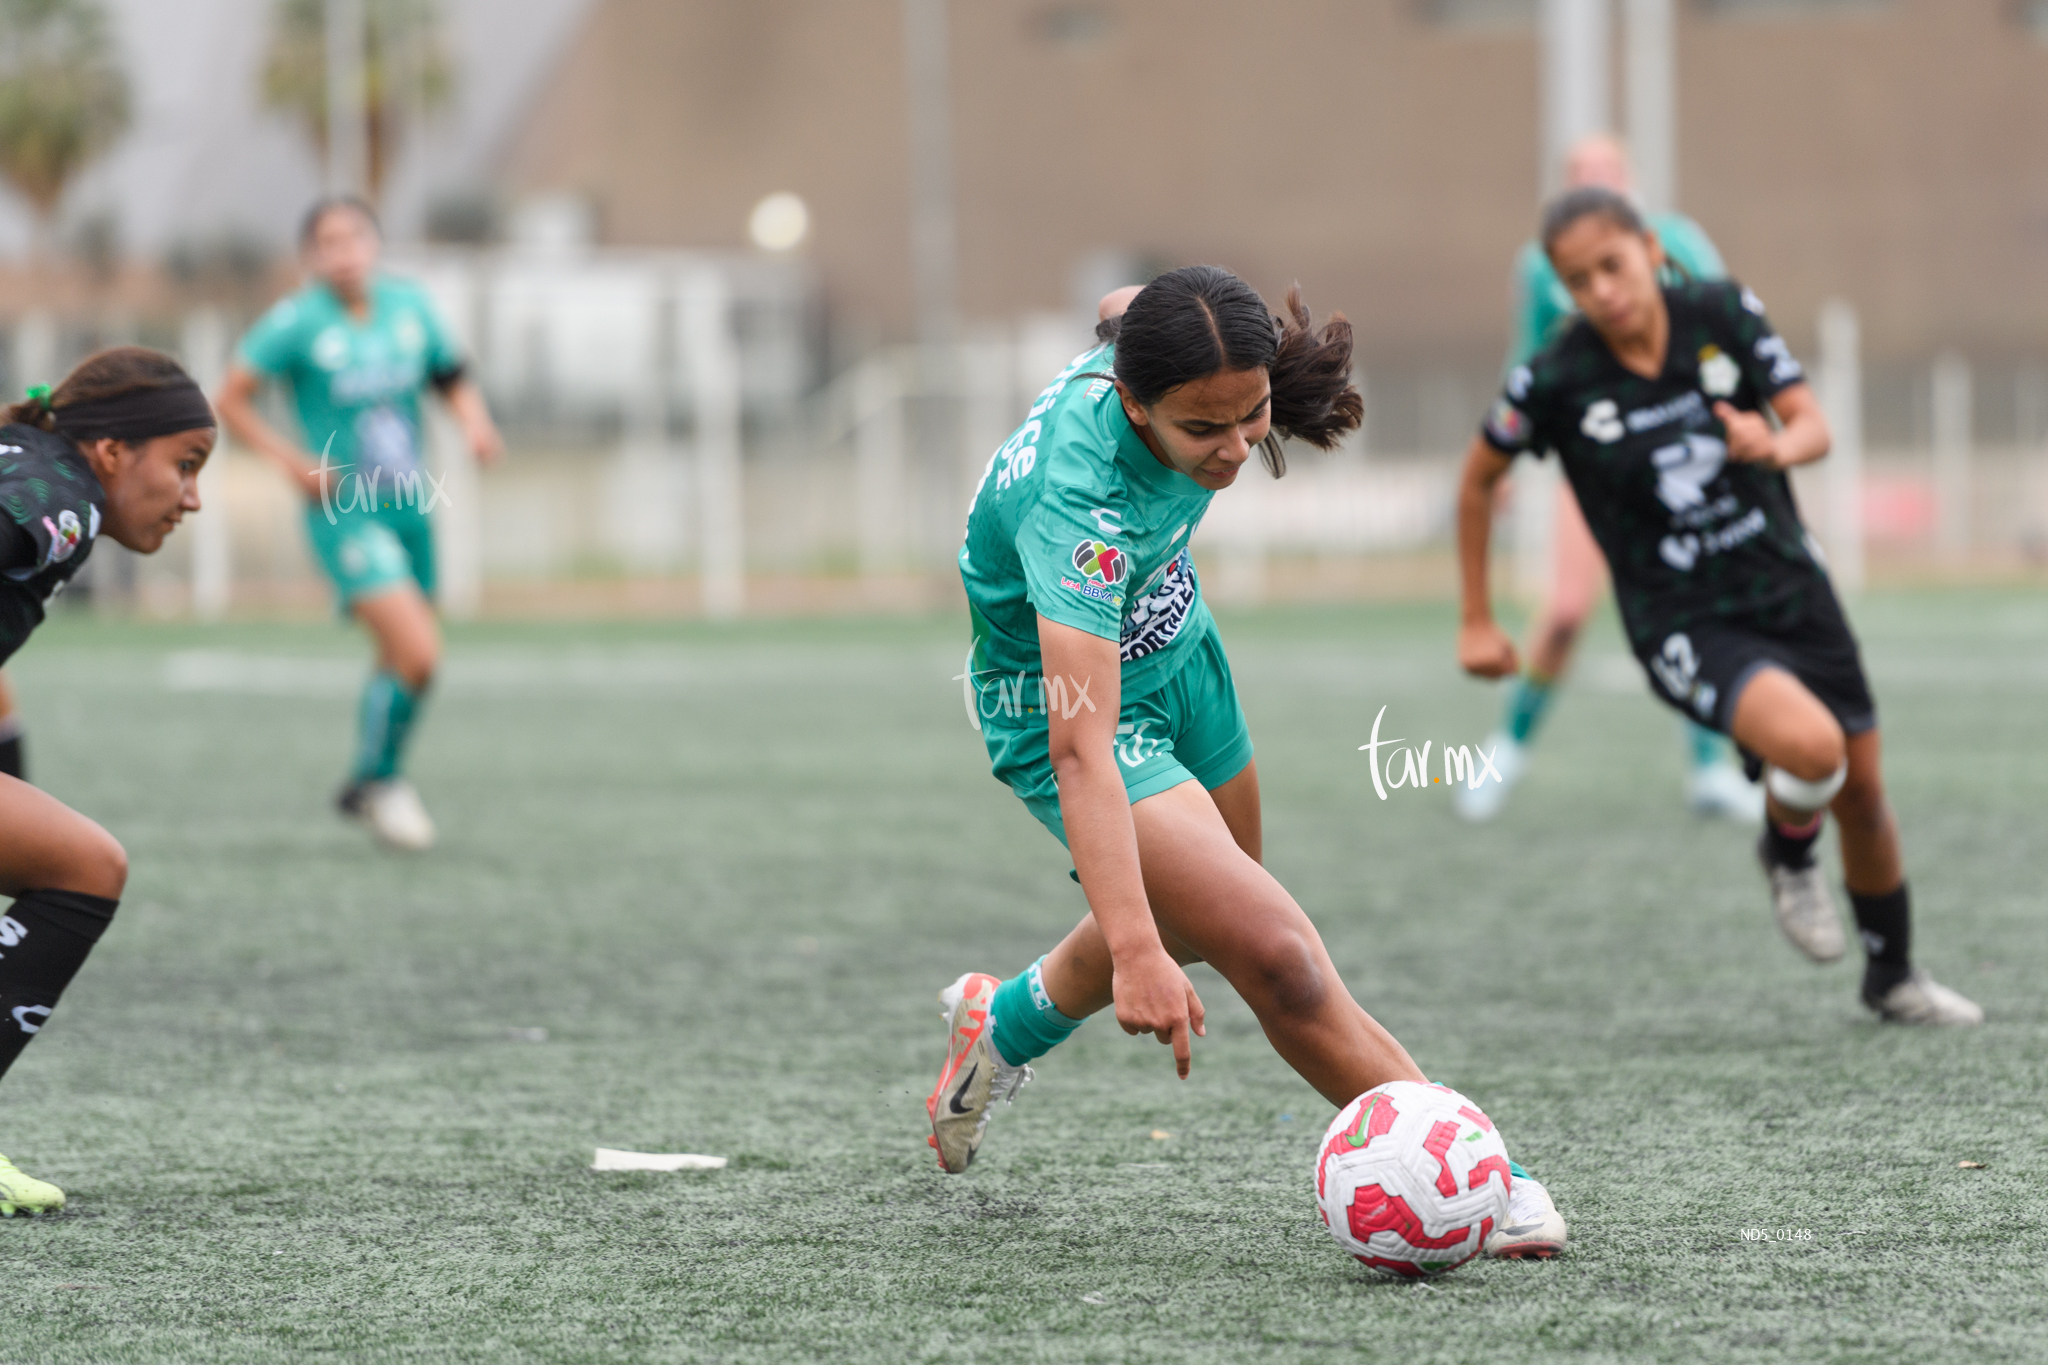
115	450
1653	399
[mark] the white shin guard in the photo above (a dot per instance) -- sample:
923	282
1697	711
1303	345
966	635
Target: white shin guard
1802	795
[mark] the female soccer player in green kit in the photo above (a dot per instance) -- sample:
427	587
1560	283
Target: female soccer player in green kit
356	348
1653	400
116	450
1107	705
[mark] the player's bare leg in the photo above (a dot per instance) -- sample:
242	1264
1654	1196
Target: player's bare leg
408	638
1814	768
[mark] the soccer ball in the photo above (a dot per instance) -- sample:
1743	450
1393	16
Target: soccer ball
1412	1179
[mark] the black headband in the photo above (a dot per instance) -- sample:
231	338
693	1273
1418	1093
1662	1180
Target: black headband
137	415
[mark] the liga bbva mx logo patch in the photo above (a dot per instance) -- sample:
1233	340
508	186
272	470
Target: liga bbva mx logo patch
1103	562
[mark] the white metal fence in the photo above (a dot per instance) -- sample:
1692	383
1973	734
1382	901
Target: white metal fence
669	432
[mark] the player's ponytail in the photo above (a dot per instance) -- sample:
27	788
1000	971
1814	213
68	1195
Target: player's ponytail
1193	322
129	393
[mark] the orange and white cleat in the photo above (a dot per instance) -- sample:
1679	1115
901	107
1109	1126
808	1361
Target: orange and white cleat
975	1075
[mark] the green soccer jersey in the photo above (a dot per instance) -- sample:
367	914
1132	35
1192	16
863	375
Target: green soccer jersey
1688	533
1077	521
50	506
356	384
1542	302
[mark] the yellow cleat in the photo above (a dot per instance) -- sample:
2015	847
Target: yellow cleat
23	1194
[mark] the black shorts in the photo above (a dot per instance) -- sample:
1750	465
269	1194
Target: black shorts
1702	668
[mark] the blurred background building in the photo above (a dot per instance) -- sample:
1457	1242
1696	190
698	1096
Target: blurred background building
757	284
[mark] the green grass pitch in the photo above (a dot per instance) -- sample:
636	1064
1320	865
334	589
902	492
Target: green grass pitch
300	1107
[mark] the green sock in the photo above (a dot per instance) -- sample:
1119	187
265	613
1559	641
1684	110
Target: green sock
1027	1023
1515	1169
1528	698
383	723
1705	745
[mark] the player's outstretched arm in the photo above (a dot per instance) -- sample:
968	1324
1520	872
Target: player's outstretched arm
1484	649
235	402
1152	994
1801	438
466	404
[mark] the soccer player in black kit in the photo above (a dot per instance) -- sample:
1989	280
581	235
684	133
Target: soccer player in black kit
115	450
1653	400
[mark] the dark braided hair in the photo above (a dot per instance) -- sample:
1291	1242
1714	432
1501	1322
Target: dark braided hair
1193	322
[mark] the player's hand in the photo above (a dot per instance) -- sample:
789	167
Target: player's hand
1485	651
1750	438
317	483
485	443
1153	995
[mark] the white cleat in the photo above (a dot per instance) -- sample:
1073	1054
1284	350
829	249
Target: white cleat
1806	911
24	1195
1482	803
1719	790
1920	999
975	1075
1534	1230
393	811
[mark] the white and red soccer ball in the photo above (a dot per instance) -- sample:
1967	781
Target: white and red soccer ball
1412	1179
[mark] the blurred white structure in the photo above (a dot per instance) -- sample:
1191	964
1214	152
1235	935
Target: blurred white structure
1577	52
1650	82
203	349
1951	399
1840	374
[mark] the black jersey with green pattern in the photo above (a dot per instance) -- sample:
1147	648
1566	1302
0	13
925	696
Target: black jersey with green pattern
1688	533
50	506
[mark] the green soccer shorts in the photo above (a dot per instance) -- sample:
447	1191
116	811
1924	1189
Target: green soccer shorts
1191	729
367	553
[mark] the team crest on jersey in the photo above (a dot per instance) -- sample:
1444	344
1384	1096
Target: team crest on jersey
65	533
330	349
1719	374
1603	422
1105	563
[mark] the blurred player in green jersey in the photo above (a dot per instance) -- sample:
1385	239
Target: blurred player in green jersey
1714	785
357	348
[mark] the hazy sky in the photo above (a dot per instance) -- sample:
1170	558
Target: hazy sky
202	158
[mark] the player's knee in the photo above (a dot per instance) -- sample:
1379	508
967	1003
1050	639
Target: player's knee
1818	754
1289	977
98	864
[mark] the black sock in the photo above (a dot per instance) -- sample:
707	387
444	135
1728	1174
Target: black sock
10	757
44	939
1885	924
1791	847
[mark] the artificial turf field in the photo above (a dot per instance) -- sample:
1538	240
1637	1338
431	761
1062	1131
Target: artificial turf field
303	1105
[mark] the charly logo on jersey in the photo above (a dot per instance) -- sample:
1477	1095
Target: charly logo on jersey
1719	374
1603	422
410	336
65	533
1102	561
